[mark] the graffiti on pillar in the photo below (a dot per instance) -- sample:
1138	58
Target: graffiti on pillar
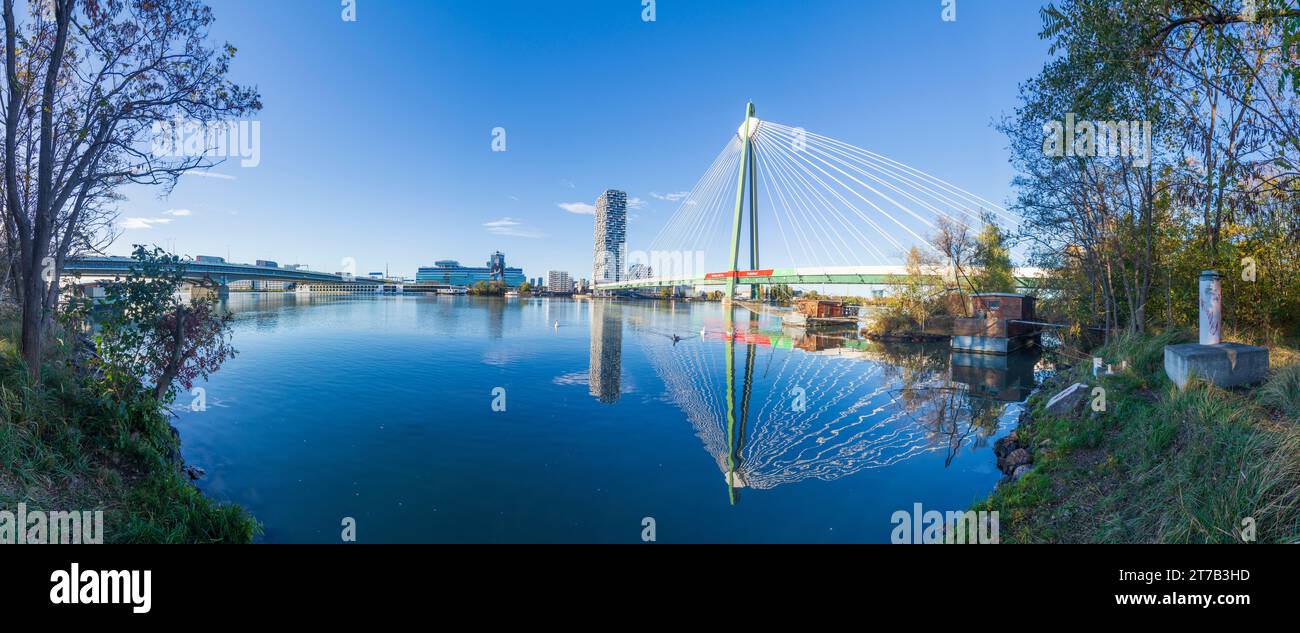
1211	300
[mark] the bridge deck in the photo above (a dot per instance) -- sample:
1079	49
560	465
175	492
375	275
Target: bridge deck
221	271
842	275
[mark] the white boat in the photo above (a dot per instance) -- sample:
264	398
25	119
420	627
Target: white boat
454	290
512	293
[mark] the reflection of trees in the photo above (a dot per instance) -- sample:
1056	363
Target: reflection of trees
951	415
947	409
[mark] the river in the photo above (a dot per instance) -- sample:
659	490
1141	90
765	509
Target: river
465	419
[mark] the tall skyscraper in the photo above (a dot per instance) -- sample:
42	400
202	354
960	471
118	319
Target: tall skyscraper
611	236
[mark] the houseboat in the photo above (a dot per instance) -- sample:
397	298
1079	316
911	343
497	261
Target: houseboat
814	313
1003	323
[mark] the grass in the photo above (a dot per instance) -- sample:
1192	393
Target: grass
73	442
1282	391
1159	465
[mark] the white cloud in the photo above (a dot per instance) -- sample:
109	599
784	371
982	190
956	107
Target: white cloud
635	203
179	213
670	197
581	208
143	223
512	228
210	174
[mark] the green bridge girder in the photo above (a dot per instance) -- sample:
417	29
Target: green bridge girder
792	280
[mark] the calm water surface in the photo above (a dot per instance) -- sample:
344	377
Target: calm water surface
381	409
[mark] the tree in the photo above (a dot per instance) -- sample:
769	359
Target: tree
952	239
995	271
916	296
492	288
111	72
1216	84
147	331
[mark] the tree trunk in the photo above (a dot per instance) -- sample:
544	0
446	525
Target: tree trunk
178	355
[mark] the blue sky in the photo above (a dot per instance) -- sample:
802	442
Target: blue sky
376	136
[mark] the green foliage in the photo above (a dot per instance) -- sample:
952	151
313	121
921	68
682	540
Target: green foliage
75	441
488	288
918	296
993	262
146	330
781	293
1129	236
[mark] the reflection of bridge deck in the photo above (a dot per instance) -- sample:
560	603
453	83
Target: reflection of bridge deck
847	275
220	272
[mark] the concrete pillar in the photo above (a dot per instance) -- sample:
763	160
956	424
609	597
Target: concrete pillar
1211	308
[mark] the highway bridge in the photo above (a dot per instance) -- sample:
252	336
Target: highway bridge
221	273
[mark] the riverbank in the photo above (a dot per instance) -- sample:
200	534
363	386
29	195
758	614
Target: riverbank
70	443
1157	465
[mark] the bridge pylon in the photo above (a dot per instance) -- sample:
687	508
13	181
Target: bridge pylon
746	179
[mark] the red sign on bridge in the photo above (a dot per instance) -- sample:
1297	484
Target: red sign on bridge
740	274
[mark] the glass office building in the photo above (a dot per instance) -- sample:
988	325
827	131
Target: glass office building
449	272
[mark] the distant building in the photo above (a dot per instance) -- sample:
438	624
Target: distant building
266	263
450	272
257	285
611	236
559	282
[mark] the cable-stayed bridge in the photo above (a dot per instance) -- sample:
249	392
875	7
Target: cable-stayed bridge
831	213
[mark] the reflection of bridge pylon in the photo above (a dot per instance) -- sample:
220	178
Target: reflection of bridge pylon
748	419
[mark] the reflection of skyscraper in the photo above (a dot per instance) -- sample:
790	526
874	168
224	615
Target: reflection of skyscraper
611	236
606	352
496	318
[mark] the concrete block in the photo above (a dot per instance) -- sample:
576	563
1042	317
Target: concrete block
1224	364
